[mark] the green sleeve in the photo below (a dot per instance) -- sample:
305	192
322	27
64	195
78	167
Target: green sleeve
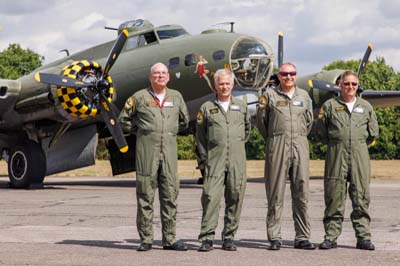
262	108
183	116
127	115
322	124
310	115
201	134
373	127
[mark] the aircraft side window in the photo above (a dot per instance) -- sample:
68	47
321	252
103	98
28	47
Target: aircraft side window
190	60
173	62
219	55
132	42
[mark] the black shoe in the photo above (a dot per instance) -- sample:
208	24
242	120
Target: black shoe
144	247
304	244
229	245
178	246
275	245
366	245
327	244
206	245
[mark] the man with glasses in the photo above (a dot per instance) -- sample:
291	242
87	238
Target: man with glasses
285	118
155	115
348	125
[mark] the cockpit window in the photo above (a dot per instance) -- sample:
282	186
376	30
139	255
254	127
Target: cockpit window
150	37
141	40
132	42
168	34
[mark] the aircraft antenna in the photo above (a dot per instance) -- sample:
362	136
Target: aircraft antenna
225	23
110	28
65	50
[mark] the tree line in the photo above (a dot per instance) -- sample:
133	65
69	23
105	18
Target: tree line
16	61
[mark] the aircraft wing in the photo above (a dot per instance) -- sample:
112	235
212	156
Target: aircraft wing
382	98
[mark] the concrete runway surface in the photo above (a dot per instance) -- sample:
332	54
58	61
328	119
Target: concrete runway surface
91	221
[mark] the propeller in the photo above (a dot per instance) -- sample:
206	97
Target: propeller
60	81
280	49
108	110
364	61
327	86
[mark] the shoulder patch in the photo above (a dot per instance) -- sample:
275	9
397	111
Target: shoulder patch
262	102
200	118
130	102
321	113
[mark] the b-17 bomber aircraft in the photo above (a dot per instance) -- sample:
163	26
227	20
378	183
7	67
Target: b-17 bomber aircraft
51	119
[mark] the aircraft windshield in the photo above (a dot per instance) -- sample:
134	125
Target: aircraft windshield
251	63
168	34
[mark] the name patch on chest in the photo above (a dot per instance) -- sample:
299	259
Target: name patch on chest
340	108
298	103
235	107
282	103
168	104
358	110
151	103
214	111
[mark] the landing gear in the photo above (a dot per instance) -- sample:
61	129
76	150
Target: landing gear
26	164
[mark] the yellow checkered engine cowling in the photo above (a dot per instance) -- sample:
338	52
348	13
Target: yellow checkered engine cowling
75	101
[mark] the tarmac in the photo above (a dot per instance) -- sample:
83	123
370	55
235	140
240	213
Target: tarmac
91	221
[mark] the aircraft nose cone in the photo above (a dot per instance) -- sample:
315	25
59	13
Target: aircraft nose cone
251	62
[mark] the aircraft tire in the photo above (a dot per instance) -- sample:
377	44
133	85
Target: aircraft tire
26	165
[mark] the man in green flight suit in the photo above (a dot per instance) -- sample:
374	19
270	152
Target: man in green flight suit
348	125
223	127
156	115
284	118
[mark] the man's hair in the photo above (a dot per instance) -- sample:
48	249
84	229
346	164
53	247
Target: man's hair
223	71
157	64
289	64
348	73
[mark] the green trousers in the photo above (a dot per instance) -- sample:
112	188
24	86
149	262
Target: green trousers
168	189
233	187
335	198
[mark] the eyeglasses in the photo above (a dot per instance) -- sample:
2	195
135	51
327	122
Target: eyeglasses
352	84
285	74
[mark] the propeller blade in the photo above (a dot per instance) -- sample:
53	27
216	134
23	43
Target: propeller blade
364	61
323	85
115	51
60	81
280	49
108	112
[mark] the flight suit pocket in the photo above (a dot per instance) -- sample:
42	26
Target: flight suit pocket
143	184
335	192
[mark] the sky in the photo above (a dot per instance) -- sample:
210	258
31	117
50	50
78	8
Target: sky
316	32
